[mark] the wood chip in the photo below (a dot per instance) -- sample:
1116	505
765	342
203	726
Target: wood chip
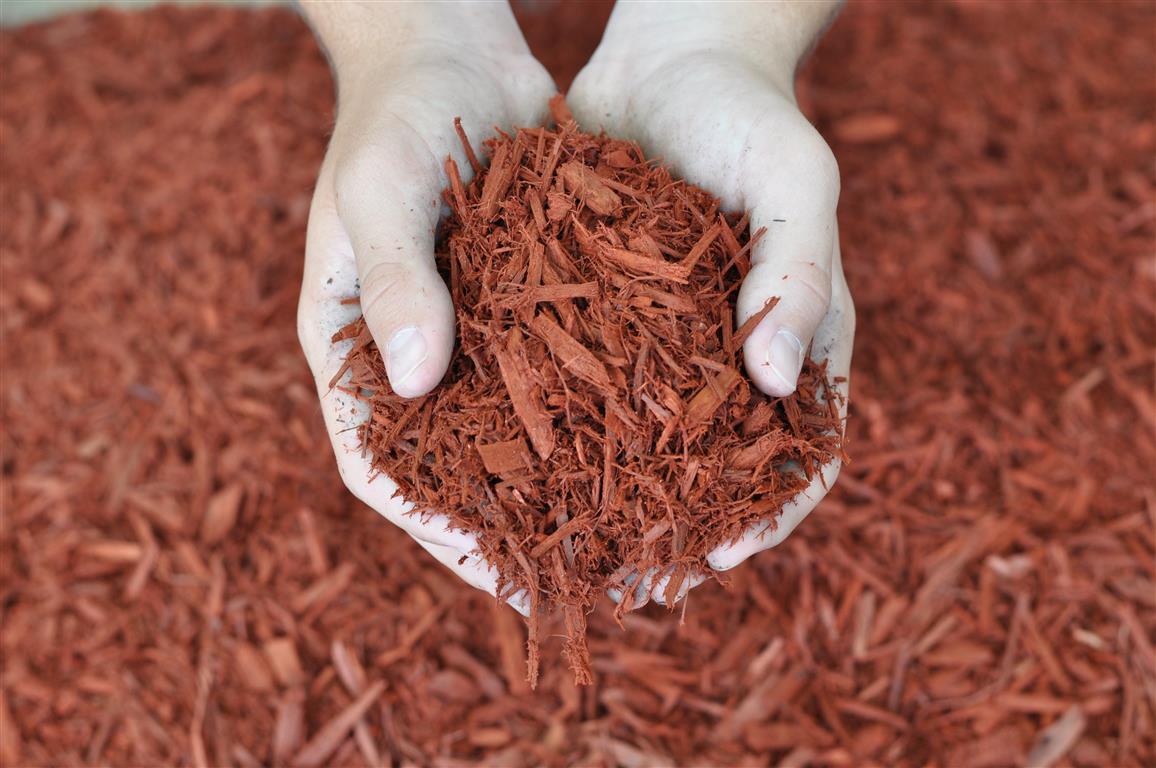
221	513
582	182
283	659
1057	739
329	738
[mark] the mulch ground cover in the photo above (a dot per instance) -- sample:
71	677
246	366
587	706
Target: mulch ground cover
184	581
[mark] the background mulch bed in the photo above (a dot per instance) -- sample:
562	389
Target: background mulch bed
183	579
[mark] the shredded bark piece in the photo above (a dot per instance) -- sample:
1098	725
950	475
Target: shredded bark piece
505	457
521	394
586	185
573	355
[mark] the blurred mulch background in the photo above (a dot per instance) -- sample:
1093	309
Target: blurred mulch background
185	581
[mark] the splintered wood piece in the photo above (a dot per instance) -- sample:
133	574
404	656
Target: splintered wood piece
221	513
457	190
283	659
571	353
329	738
564	530
505	457
1057	740
251	666
582	182
646	265
700	248
289	727
708	399
619	158
748	327
325	589
676	301
560	110
349	669
497	180
467	147
562	291
525	400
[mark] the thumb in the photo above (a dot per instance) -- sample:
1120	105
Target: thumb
795	203
389	202
800	278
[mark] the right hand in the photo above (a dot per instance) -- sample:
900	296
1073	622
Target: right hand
709	88
376	206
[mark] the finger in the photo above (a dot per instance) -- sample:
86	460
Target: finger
795	201
637	587
653	587
477	572
833	342
331	276
834	338
770	534
388	201
689	582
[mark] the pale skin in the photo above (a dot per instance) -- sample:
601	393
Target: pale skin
708	87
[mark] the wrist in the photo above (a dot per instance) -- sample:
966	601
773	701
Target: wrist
771	38
363	40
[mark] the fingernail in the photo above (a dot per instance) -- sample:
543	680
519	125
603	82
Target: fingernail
785	356
407	351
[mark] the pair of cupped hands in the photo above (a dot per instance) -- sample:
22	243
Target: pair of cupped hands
702	87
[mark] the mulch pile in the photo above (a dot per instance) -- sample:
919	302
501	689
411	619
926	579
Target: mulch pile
185	581
595	425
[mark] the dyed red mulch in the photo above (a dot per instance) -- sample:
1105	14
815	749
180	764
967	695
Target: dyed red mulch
184	581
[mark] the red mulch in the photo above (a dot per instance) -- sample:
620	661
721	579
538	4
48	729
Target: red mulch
184	581
595	300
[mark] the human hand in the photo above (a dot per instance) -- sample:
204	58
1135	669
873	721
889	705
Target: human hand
709	89
401	82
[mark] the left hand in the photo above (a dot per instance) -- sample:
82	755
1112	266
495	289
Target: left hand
404	73
729	122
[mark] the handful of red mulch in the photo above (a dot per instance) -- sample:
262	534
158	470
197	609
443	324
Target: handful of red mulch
595	423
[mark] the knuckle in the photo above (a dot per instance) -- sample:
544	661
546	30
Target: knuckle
304	334
816	162
849	318
384	286
842	307
354	172
387	276
811	281
827	166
